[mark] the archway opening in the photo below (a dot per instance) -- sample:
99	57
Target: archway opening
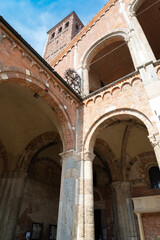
148	17
32	135
123	155
111	61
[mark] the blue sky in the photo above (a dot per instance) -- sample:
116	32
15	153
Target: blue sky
32	19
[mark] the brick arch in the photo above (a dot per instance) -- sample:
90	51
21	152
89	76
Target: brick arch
116	34
110	158
111	117
3	158
18	76
34	146
147	160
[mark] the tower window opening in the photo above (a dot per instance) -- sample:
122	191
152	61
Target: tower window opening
77	27
67	24
154	174
53	35
60	30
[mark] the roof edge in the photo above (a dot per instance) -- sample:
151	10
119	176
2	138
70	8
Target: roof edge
41	59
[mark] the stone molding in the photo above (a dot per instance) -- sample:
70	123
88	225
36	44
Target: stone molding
149	204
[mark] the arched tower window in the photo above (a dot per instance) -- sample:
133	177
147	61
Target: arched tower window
60	30
67	24
53	35
154	174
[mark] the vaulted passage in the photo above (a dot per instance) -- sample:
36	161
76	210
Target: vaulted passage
111	62
30	181
122	171
148	16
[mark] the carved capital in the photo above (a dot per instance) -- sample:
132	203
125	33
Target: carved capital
71	154
88	156
155	140
121	186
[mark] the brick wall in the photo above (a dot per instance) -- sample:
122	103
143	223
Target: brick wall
151	224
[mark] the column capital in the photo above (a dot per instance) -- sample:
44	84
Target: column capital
88	156
69	154
86	67
123	186
154	139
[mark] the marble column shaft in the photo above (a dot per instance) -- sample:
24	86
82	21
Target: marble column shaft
85	226
67	214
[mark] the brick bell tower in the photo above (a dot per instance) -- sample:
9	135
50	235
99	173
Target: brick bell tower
61	35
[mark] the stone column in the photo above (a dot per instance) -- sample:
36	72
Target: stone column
155	141
11	192
140	225
67	215
85	222
124	211
85	81
145	53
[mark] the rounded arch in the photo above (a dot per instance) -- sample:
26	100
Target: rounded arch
103	64
134	5
121	34
111	117
34	146
14	75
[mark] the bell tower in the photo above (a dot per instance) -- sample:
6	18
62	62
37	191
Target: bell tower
61	35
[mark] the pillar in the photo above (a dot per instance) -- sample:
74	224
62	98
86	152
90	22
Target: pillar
126	228
11	192
85	207
85	81
140	225
67	211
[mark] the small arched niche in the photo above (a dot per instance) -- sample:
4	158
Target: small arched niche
148	15
108	62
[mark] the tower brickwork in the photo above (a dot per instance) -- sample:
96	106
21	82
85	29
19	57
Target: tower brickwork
61	35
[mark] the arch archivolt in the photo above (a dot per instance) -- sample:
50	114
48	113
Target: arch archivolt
109	118
134	5
119	34
14	75
34	146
